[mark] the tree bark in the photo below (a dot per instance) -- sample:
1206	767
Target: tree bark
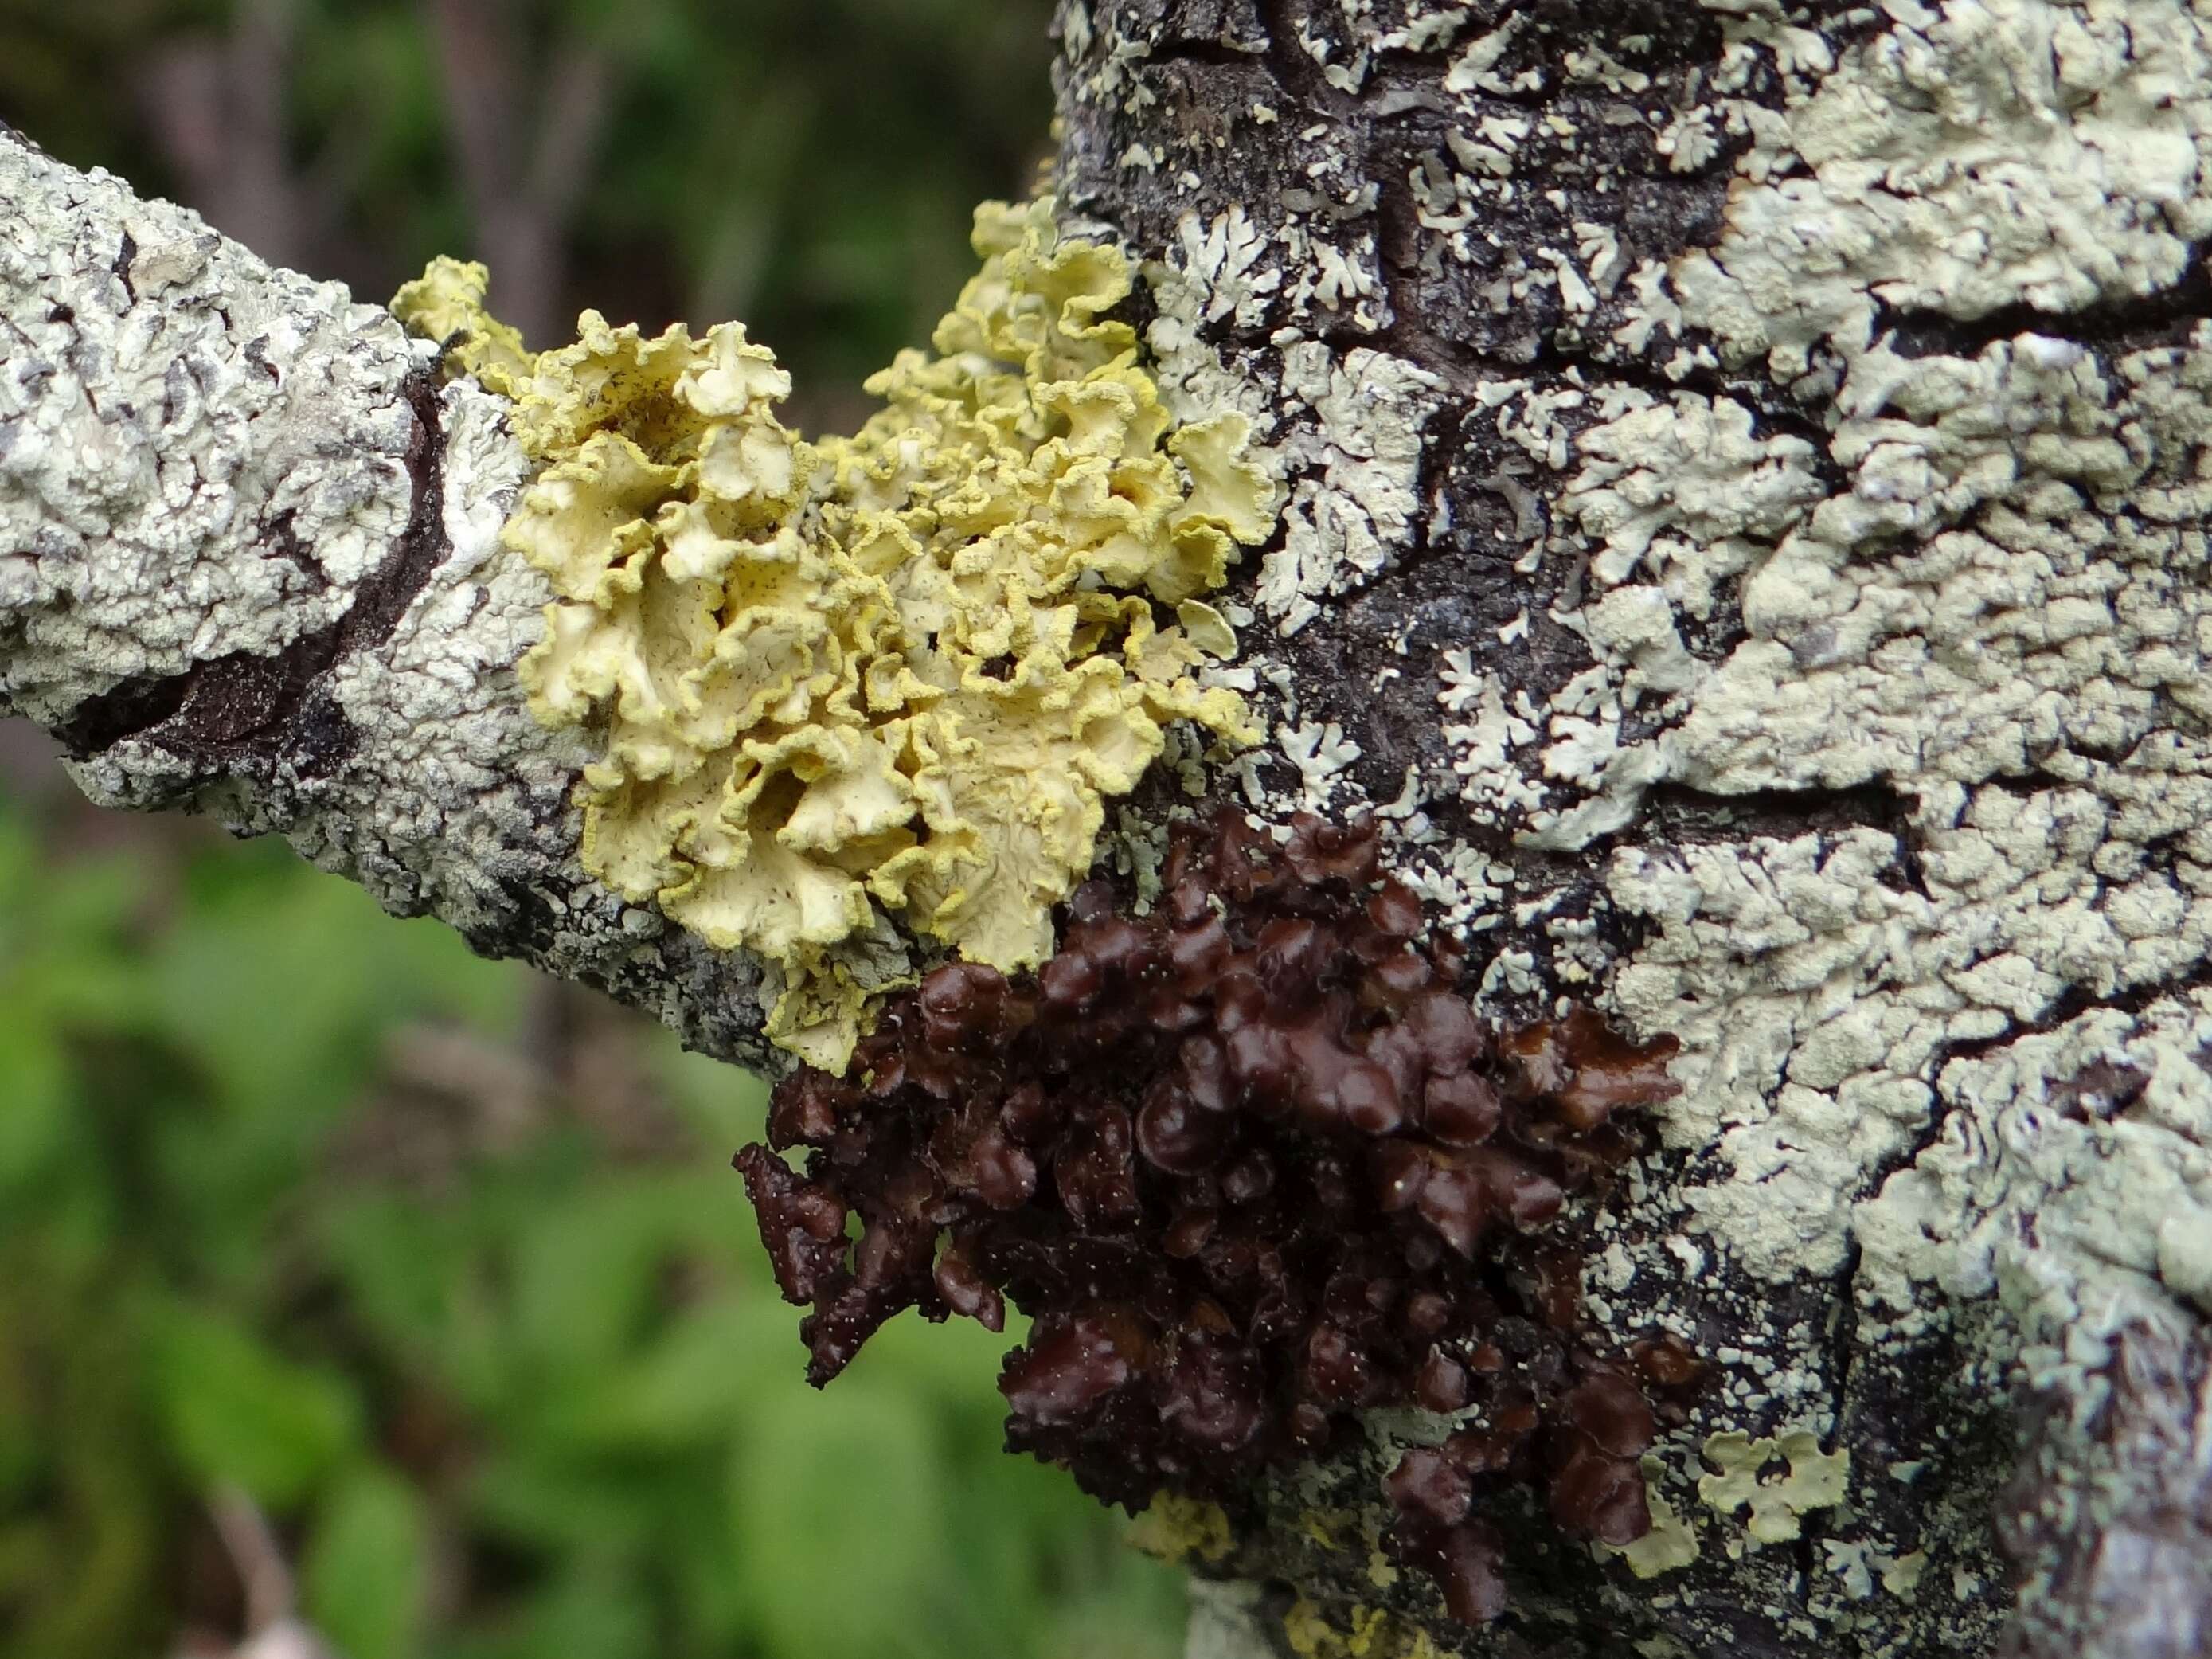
1745	541
253	568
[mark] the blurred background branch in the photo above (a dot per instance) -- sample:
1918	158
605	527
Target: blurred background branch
272	1629
435	1270
805	165
216	104
523	162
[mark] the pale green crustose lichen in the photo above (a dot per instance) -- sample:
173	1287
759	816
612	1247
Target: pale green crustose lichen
1816	1479
895	675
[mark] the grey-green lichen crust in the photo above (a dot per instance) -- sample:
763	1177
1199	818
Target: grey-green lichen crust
1802	545
167	399
1982	593
250	564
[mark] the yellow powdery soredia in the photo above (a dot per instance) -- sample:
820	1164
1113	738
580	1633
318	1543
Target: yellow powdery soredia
890	676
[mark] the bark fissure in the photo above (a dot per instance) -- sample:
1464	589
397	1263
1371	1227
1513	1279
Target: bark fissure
125	256
242	709
2163	317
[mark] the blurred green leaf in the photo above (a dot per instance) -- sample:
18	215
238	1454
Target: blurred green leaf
726	1107
280	990
238	1412
588	1614
34	1098
582	1275
823	1504
365	1577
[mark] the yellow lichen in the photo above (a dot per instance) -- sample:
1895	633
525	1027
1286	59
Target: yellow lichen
1322	1525
1309	1632
1176	1529
447	303
1372	1633
896	675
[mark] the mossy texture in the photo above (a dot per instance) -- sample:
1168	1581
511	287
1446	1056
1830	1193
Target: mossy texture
893	675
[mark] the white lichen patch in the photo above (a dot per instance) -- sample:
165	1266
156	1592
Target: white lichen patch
1686	493
1978	156
1971	626
199	456
2072	1178
1358	468
1778	964
438	712
1981	595
1860	1567
1346	428
1322	754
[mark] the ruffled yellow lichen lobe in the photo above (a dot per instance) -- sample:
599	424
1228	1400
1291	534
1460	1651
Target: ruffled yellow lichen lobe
1369	1633
445	303
1176	1529
894	675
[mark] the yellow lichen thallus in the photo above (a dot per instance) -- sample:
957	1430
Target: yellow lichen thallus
893	675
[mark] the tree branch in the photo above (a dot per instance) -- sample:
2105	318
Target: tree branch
250	565
1745	541
218	106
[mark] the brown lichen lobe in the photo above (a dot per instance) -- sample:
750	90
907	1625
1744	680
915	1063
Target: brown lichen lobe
1252	1163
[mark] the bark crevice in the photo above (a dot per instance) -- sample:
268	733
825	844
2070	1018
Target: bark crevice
241	710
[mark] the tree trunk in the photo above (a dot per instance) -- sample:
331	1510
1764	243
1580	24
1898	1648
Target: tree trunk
1747	478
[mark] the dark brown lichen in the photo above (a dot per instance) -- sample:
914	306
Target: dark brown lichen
1251	1164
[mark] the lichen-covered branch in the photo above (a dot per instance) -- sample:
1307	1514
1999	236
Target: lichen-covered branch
250	565
1742	540
1746	537
866	698
2110	1518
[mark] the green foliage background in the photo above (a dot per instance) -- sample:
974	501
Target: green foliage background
808	166
513	1389
443	1268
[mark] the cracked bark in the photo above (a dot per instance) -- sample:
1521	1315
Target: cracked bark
1443	280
